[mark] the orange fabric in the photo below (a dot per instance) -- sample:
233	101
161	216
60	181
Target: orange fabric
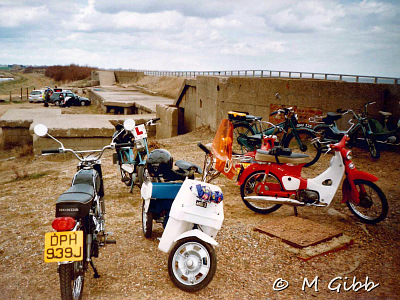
222	149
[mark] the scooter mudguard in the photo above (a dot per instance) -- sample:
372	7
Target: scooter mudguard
349	189
250	169
198	234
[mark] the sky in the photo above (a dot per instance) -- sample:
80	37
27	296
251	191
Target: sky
360	37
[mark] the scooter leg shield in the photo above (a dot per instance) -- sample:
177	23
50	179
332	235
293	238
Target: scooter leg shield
199	234
173	230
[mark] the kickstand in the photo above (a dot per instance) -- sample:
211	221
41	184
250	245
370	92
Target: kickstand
295	211
96	275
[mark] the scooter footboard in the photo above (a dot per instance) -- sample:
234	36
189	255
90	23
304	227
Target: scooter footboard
173	229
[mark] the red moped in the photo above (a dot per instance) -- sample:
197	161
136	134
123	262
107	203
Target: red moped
274	178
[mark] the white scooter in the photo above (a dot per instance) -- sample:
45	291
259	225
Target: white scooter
195	218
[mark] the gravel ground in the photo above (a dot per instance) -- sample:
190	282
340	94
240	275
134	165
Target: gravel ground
249	262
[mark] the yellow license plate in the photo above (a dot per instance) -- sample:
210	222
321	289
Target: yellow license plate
63	246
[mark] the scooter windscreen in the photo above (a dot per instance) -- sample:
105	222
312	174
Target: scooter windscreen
222	149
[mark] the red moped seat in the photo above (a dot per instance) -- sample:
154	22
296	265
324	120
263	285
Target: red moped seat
294	158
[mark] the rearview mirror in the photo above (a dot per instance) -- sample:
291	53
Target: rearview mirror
129	124
40	130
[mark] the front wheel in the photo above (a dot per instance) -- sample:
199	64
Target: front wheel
373	206
253	185
192	264
306	144
372	148
72	277
147	222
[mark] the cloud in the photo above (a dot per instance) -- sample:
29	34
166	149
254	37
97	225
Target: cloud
13	16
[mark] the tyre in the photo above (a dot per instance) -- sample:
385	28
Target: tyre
373	206
140	174
240	133
192	264
309	146
72	277
83	103
372	148
147	222
57	103
251	187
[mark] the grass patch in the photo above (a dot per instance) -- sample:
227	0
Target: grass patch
24	176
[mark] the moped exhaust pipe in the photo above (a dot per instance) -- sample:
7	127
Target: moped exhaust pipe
273	200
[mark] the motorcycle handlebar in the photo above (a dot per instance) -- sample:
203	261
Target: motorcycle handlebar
204	148
123	145
50	151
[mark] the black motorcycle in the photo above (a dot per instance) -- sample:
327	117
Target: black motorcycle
79	222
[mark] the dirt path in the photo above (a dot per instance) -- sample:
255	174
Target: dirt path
249	262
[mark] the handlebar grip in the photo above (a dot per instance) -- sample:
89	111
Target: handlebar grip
50	151
273	113
204	148
123	145
156	119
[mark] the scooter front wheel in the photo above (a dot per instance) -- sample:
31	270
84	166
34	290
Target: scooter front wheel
192	264
373	206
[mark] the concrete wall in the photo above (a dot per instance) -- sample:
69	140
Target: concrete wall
168	115
126	76
215	96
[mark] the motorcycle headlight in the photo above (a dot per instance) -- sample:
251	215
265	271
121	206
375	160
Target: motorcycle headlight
139	144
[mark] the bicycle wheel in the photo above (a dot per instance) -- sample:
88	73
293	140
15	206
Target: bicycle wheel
308	145
252	186
373	206
240	133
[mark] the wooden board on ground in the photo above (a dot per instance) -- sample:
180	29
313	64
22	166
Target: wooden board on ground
299	232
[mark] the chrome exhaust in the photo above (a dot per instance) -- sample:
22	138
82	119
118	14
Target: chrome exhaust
273	200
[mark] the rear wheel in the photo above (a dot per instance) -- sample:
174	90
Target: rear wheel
240	133
192	264
308	145
57	103
147	221
83	103
72	277
253	185
372	207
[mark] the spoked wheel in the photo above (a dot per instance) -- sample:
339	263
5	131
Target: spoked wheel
308	146
147	222
372	148
72	277
192	264
373	206
240	133
253	185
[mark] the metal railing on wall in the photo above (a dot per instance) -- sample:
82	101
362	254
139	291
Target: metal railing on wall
278	74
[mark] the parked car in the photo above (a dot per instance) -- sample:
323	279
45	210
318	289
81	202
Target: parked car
36	96
68	98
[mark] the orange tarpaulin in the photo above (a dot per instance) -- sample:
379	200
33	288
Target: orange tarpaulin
222	149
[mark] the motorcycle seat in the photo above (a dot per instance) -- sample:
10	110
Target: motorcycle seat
331	117
81	193
293	158
185	165
385	113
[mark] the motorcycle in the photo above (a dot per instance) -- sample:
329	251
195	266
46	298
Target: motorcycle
330	133
195	217
274	178
79	223
131	160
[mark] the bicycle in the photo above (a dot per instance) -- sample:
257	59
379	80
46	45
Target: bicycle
248	134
